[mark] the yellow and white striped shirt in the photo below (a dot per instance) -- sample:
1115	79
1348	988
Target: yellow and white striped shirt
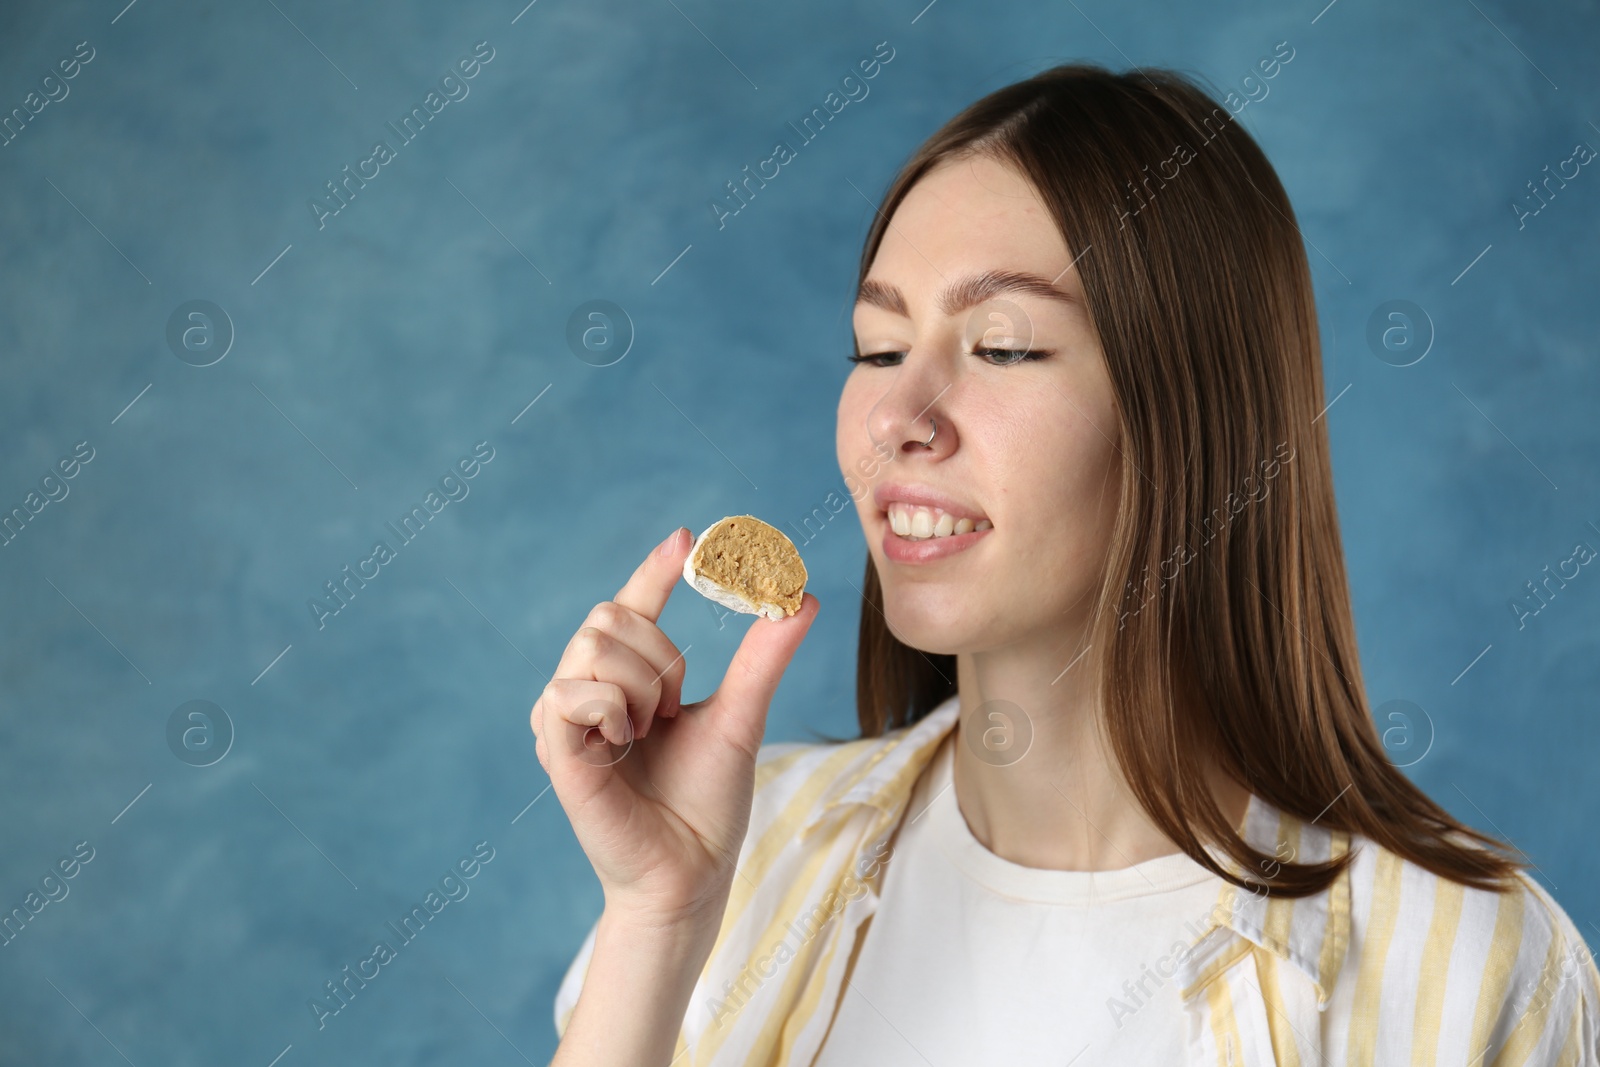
1389	965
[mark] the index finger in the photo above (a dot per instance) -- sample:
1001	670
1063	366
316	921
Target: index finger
651	584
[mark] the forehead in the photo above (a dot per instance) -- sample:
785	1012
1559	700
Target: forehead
973	213
968	231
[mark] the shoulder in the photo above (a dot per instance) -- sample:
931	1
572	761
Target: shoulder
796	780
1509	970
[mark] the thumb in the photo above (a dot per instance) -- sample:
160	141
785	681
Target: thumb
758	665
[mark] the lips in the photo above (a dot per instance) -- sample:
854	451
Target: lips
899	549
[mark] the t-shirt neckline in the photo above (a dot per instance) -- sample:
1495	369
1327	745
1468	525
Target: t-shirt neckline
948	829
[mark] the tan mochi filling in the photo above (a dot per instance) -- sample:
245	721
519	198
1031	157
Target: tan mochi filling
754	559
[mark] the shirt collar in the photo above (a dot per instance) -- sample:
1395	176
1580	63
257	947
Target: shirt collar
1311	932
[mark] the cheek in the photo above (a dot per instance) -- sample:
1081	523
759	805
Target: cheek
860	463
1087	476
1054	475
1089	494
850	428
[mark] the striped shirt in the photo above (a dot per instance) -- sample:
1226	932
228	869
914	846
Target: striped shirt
1388	965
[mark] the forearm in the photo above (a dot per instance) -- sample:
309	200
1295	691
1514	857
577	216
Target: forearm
635	993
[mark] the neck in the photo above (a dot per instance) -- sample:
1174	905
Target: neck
1064	805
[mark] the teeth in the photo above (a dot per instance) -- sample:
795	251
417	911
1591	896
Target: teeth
919	523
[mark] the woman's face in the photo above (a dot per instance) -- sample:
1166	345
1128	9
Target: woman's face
1028	445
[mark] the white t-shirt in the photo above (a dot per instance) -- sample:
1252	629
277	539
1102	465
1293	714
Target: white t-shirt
972	959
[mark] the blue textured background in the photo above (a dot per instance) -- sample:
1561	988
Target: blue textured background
433	309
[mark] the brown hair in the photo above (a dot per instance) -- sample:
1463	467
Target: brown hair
1199	289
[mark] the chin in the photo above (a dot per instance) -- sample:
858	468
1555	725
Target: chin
930	624
933	641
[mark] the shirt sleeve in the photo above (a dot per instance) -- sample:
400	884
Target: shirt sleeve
1585	1028
572	982
1554	1014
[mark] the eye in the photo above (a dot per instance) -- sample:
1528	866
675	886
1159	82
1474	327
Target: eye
1005	357
874	358
1000	357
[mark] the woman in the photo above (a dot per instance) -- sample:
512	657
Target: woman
1118	794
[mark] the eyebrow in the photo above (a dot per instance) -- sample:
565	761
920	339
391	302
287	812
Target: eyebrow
966	292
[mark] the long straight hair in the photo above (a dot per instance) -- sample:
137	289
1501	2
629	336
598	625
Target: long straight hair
1222	624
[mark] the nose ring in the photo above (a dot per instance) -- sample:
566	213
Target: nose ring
931	436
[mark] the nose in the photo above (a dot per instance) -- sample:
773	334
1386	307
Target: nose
910	416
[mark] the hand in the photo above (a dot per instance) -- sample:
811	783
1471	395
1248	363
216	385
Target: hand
663	814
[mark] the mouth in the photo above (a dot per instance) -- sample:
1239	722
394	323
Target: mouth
921	534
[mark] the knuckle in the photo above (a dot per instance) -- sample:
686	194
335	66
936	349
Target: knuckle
559	696
608	615
592	639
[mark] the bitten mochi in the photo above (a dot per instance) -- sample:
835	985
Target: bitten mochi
747	565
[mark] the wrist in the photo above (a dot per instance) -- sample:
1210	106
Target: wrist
636	992
663	926
646	905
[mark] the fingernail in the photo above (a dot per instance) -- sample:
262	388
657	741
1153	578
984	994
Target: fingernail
665	548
